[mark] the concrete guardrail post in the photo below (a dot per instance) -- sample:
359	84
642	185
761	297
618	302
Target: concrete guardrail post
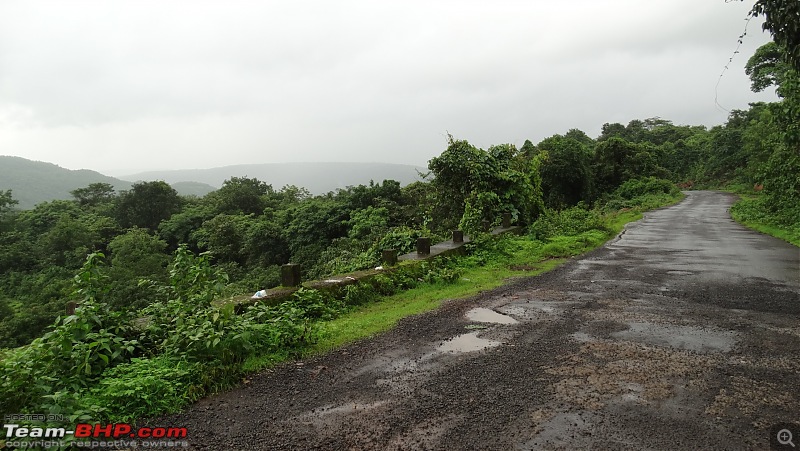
506	220
486	225
389	257
458	236
290	275
424	246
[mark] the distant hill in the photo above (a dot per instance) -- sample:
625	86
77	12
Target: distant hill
33	182
192	188
318	178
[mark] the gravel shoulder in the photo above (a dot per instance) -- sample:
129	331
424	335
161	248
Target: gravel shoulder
683	333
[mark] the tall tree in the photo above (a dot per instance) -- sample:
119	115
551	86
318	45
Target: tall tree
782	19
93	194
7	202
242	195
147	204
566	171
477	184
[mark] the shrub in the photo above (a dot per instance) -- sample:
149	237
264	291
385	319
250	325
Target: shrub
143	386
634	188
569	222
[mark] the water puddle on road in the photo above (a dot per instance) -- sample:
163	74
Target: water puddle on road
470	342
691	338
485	315
467	343
680	273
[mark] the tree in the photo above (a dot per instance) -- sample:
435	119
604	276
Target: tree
135	255
147	204
566	171
612	163
528	149
767	67
242	195
94	194
264	243
180	227
615	130
782	19
224	235
475	184
67	242
368	222
7	203
579	135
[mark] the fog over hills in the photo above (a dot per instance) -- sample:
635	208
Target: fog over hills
318	178
33	182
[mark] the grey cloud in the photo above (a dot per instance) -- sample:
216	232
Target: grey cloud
236	82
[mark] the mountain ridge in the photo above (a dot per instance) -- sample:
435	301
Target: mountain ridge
33	182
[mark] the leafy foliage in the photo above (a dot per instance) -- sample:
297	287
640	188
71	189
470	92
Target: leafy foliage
476	185
146	204
782	19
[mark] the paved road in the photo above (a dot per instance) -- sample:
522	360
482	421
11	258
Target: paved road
684	333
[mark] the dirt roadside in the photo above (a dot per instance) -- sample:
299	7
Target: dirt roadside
684	333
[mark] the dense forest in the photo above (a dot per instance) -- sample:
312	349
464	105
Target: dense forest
153	253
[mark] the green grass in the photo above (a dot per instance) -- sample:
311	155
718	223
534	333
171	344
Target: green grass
382	316
750	212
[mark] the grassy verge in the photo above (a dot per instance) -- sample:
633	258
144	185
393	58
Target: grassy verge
750	212
382	316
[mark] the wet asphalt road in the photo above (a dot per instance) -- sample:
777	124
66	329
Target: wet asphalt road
683	333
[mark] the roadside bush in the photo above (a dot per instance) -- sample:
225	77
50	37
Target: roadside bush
755	212
634	188
641	194
141	387
402	238
316	305
569	222
384	285
46	374
359	294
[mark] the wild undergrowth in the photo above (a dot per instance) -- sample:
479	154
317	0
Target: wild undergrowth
755	213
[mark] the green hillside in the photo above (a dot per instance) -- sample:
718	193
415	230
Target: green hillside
33	182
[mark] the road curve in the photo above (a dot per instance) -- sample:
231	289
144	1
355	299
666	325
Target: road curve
682	333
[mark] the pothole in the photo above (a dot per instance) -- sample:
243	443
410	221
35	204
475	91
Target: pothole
583	337
515	310
680	273
485	315
690	338
467	343
564	430
545	306
329	415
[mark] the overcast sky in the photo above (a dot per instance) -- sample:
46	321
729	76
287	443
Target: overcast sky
126	86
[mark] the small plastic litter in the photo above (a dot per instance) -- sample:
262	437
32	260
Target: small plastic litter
259	294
